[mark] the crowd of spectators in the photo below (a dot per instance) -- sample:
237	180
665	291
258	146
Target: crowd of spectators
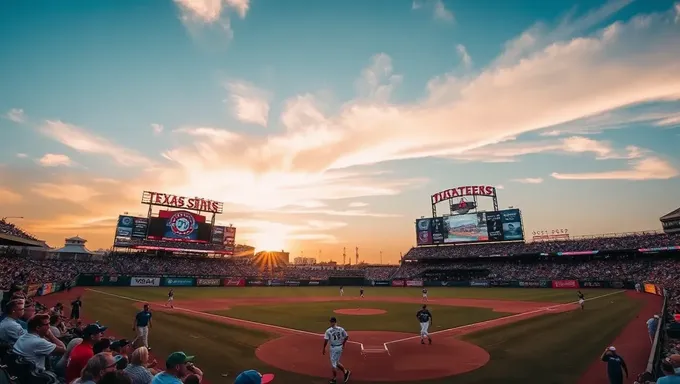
7	228
625	242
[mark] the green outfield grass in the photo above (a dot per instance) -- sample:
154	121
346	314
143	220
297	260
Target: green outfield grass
554	348
400	317
524	294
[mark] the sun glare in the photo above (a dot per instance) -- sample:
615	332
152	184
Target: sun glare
270	237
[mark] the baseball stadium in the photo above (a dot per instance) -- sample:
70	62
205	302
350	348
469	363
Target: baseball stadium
504	307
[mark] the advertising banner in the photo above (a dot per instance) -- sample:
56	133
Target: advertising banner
565	284
314	282
292	283
530	284
479	283
455	283
651	288
33	289
208	282
234	282
414	283
500	284
179	281
256	283
398	283
593	284
46	289
276	283
381	283
145	281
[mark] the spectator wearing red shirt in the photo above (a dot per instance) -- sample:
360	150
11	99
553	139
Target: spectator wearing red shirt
83	352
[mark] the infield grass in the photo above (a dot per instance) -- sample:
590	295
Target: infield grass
553	348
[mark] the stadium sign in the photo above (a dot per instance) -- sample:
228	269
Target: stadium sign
145	282
468	190
175	201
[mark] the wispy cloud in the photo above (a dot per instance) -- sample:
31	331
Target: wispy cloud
529	180
650	168
465	58
157	128
197	15
677	13
378	81
437	7
82	140
22	155
55	160
248	103
357	204
8	196
16	115
75	193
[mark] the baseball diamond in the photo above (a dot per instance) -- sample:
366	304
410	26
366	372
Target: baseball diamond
477	333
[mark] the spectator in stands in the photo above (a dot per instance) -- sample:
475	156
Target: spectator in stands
138	369
95	368
253	377
10	329
56	325
39	342
652	325
83	351
121	348
177	366
116	377
670	376
60	365
103	345
675	361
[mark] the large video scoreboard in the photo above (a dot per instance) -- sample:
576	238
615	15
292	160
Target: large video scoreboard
505	225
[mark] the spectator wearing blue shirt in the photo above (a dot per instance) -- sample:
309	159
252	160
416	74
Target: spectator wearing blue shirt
652	324
670	376
142	324
10	328
616	366
39	342
177	366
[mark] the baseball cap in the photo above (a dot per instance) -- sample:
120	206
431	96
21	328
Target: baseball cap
612	348
656	316
177	358
119	343
93	329
253	377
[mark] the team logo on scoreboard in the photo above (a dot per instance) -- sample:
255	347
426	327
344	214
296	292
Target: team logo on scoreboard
182	223
126	221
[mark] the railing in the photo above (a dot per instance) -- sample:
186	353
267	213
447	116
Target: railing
655	354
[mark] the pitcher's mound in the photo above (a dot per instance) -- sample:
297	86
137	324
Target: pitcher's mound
359	311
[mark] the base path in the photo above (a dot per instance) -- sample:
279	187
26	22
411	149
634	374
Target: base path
360	311
371	361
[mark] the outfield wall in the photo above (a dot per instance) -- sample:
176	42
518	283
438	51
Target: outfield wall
187	281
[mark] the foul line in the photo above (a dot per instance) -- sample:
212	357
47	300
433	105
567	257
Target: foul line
503	318
263	325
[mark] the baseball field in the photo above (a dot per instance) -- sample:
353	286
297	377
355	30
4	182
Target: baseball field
480	335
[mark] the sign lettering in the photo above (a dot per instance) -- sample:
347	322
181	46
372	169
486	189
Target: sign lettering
469	190
175	201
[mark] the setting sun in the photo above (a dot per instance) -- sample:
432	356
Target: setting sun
270	237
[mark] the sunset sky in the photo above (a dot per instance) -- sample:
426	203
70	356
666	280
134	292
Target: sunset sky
328	124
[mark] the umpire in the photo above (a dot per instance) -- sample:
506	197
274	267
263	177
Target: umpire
616	366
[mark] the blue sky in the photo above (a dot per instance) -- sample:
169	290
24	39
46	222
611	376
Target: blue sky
328	124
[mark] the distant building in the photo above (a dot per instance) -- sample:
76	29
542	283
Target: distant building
671	222
304	261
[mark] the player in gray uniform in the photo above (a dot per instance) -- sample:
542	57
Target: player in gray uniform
337	337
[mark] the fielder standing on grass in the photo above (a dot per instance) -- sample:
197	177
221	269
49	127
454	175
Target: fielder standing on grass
337	337
581	299
425	318
171	298
141	324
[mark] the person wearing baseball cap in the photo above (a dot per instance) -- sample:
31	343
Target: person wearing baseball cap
253	377
616	366
84	351
177	366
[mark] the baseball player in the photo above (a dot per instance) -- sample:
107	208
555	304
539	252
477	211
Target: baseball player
581	299
171	299
424	294
425	318
342	291
337	337
361	292
141	324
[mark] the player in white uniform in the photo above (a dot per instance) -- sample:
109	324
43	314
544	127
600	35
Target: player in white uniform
581	299
424	294
171	299
342	290
337	337
425	319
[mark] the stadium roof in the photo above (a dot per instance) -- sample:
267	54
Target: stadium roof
671	215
